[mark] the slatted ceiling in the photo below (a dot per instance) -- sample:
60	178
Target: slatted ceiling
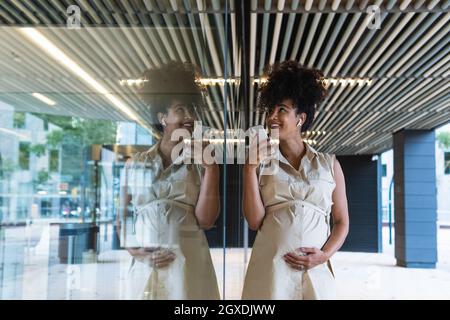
313	6
71	41
217	65
48	85
125	11
435	120
404	58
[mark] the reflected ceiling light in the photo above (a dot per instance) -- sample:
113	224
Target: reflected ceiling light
314	132
41	41
132	82
333	81
220	141
203	81
350	81
260	80
214	81
44	99
222	81
13	133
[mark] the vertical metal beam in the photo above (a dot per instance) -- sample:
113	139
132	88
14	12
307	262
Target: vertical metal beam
243	27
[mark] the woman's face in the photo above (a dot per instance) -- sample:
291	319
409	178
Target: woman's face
283	117
179	116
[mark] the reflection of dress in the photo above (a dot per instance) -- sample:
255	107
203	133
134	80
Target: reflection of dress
298	206
164	202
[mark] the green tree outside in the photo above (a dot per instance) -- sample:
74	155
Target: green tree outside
74	137
444	139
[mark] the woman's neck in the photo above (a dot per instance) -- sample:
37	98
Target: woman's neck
293	150
165	149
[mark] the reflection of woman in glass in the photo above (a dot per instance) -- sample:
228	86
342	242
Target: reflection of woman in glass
291	208
173	201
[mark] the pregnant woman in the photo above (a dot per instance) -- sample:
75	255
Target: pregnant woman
291	207
171	200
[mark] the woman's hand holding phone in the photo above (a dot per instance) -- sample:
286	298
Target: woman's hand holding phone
260	148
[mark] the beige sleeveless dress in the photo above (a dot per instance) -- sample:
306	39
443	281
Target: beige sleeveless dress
164	201
298	206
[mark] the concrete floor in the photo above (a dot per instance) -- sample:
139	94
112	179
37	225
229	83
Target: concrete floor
33	272
373	276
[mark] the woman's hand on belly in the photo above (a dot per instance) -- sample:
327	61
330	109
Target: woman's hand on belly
305	258
154	257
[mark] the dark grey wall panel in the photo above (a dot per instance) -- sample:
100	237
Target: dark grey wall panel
363	180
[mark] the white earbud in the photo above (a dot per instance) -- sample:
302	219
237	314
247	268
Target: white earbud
299	123
163	122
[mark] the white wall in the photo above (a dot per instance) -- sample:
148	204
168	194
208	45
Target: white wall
443	182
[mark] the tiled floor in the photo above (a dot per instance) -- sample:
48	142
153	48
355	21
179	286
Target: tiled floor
27	273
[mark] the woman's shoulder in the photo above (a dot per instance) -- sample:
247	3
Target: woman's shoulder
134	160
320	155
325	159
143	156
326	156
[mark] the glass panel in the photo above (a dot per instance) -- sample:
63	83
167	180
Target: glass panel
92	202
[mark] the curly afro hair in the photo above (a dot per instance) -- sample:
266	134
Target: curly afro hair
290	80
172	81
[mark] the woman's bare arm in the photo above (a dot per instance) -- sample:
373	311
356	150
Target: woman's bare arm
253	205
208	204
339	212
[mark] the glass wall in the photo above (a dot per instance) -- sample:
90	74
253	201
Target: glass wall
106	105
91	204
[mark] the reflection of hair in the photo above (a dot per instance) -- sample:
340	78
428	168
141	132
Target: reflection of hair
291	80
172	81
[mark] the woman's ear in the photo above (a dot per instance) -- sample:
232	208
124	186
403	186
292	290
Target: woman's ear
301	118
162	118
